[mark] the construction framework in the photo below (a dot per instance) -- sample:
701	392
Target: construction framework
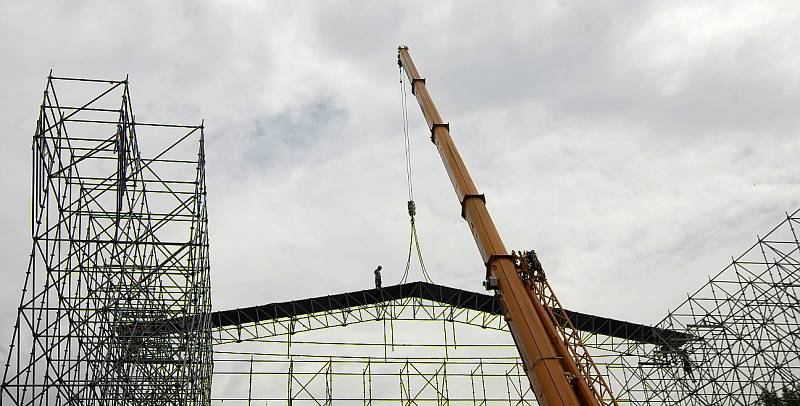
116	303
120	239
746	320
732	342
408	301
466	356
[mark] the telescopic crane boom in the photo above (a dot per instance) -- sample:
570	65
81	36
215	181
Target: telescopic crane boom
554	373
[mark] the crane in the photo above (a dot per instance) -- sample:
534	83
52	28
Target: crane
559	367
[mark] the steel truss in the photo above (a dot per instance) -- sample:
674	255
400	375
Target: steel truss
119	230
380	360
389	366
395	345
408	301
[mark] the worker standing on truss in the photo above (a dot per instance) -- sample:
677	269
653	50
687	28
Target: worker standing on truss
378	277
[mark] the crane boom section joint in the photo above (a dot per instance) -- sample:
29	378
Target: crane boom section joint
493	259
434	126
465	199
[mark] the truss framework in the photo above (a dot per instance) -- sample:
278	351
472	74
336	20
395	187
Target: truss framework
119	240
408	301
442	368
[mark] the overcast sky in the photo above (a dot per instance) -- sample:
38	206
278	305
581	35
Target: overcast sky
636	146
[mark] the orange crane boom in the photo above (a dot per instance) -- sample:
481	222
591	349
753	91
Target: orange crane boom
549	363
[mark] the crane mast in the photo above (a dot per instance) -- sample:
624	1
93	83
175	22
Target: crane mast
551	367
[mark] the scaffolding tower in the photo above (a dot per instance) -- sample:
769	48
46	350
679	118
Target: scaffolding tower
120	242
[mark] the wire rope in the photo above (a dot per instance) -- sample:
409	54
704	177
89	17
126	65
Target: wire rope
413	243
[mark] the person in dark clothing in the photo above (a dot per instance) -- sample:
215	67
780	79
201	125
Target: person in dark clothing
687	364
378	277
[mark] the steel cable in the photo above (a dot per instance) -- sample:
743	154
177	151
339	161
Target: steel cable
412	210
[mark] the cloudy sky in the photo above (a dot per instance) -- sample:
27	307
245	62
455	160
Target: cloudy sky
636	146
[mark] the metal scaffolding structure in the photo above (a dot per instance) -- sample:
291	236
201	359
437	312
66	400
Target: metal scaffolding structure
116	304
746	320
120	240
363	370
